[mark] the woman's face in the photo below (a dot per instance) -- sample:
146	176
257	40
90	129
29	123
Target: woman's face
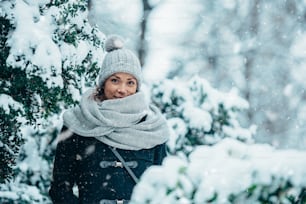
120	85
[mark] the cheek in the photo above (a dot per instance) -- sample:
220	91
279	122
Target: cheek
133	90
108	88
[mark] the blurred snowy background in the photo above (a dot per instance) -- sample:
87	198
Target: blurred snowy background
256	46
227	74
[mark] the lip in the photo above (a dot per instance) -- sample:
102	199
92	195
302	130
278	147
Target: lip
118	97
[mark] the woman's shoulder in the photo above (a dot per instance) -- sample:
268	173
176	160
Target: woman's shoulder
64	135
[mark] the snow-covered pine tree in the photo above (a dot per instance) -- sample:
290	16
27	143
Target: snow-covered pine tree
229	172
49	55
10	139
214	159
199	114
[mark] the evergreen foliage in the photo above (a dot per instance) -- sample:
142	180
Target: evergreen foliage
43	74
49	55
199	114
10	138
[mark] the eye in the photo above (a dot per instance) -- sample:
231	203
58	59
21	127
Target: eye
114	80
131	83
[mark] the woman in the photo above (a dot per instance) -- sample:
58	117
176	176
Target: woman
113	119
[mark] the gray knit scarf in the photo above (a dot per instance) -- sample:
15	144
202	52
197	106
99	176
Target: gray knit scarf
128	123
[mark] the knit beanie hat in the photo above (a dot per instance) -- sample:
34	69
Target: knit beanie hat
119	59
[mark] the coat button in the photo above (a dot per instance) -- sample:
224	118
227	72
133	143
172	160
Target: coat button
118	164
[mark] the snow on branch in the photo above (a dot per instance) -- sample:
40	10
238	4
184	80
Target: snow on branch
228	172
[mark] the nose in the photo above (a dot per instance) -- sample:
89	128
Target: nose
122	90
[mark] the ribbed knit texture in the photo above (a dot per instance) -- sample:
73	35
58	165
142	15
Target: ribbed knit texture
119	59
128	123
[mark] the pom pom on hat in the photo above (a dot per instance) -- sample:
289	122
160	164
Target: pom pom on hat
119	59
113	42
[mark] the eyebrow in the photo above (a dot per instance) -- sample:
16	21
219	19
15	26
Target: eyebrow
131	78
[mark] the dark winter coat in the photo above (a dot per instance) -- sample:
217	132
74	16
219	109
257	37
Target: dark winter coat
91	165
